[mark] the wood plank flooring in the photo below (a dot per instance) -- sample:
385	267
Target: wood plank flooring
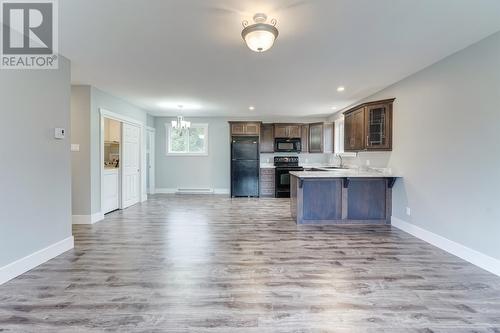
212	264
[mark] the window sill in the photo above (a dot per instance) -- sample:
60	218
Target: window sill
187	154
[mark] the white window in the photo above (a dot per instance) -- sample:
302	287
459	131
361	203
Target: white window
188	142
339	139
339	136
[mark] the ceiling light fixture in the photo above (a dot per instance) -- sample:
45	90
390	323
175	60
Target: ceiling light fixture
259	36
340	89
251	108
180	123
334	108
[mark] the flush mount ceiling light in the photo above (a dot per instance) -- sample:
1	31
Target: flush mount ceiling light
259	36
251	108
340	89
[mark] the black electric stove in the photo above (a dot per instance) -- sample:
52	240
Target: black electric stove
285	164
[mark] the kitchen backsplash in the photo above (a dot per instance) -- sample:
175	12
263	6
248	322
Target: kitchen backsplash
303	158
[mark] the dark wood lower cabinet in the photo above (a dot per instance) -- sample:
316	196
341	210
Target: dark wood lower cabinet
267	182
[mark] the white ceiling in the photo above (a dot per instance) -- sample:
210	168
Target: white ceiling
160	52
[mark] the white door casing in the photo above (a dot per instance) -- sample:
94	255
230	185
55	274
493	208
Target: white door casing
131	165
150	168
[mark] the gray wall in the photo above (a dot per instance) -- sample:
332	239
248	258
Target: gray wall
80	161
212	171
150	121
446	145
35	172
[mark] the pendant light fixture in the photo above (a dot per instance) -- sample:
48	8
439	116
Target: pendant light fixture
180	123
259	36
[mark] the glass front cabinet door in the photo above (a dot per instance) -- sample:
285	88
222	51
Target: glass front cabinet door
378	122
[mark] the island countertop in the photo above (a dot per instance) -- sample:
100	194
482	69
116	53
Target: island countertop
344	173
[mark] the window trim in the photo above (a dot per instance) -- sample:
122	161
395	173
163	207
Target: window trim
168	141
338	149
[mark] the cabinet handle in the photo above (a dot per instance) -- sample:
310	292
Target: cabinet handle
367	140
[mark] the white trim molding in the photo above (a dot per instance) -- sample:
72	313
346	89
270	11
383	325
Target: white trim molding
477	258
20	266
192	191
88	219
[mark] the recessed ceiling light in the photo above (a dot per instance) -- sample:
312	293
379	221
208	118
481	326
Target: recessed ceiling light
334	108
175	105
251	108
340	89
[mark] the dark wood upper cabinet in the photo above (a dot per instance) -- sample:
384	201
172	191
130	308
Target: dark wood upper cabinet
316	138
245	128
304	136
287	130
368	127
378	122
354	127
294	131
280	131
267	138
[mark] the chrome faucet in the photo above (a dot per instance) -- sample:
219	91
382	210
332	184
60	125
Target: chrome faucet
341	161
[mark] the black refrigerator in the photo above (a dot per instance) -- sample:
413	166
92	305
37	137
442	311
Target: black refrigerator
245	166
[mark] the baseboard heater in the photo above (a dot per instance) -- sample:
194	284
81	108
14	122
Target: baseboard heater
194	191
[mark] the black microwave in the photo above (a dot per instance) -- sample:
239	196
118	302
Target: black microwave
287	145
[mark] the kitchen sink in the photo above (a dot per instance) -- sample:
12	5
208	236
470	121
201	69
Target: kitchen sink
334	168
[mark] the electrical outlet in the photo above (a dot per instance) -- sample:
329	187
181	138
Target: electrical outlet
59	133
367	162
408	211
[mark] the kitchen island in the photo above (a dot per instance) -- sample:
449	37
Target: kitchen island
343	196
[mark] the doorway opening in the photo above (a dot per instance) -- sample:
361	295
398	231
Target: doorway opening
111	173
123	175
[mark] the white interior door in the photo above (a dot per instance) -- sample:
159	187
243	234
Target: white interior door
131	188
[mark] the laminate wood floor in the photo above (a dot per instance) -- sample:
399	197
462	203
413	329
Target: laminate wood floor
212	264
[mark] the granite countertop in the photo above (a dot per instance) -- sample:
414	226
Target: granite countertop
345	173
267	166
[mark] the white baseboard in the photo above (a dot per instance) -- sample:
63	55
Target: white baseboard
479	259
165	190
87	219
20	266
175	190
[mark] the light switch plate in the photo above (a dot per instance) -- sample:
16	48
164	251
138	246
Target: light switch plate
75	147
408	211
59	133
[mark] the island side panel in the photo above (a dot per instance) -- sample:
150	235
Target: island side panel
321	201
294	183
367	200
